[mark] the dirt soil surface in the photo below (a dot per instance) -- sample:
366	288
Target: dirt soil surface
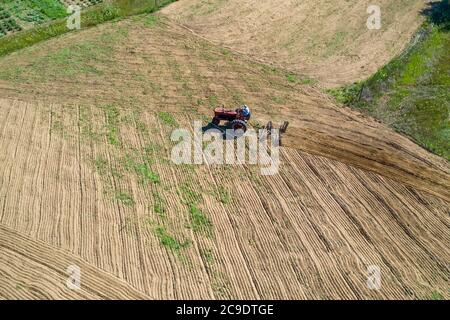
327	40
165	68
86	179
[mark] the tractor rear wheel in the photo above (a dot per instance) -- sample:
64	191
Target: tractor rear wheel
239	127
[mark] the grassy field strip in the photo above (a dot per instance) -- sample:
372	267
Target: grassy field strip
139	196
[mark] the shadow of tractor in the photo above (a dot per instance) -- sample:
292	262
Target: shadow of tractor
226	131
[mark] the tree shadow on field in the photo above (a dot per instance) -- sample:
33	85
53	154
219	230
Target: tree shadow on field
438	12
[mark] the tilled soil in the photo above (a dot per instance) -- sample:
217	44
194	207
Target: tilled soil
86	179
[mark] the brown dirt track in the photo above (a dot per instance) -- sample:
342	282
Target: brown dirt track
328	40
308	232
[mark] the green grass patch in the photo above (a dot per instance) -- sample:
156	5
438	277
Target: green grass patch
436	295
132	162
293	78
169	241
70	61
191	198
125	198
167	118
146	175
152	150
189	195
86	124
151	21
223	196
74	60
101	165
208	256
159	205
348	94
199	221
112	124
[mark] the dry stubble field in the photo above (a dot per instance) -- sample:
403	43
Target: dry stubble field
86	179
327	40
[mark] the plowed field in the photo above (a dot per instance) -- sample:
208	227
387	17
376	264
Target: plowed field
86	179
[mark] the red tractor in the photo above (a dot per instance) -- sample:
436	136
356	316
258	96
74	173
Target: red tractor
235	119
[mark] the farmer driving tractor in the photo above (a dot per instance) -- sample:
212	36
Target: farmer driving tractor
237	119
245	111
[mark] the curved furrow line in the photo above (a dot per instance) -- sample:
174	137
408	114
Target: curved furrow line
45	272
381	216
341	216
326	219
404	216
275	277
344	255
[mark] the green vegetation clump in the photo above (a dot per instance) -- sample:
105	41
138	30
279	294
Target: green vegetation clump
168	241
101	165
125	198
199	221
112	124
141	167
208	256
188	194
146	174
436	295
167	118
151	20
223	195
53	9
159	205
412	92
293	78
